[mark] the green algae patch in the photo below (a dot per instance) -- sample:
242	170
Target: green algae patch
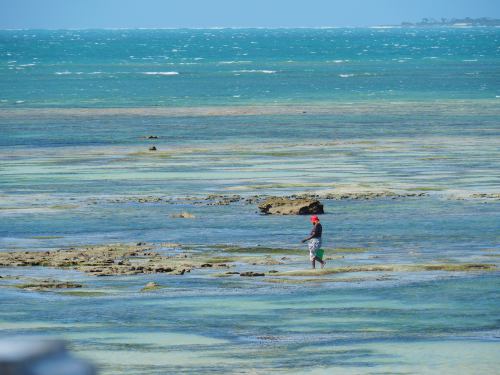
151	286
435	158
307	281
353	250
460	267
283	251
426	188
282	153
282	185
258	250
331	271
152	154
63	207
216	260
393	268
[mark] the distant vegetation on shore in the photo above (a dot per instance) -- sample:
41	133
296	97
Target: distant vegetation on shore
483	21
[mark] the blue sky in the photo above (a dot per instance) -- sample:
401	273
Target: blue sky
226	13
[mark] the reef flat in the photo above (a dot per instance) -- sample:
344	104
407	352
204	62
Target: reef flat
175	259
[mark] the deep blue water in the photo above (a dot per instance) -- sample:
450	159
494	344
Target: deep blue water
96	68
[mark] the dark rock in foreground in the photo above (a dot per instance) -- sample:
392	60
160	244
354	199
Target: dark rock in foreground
251	274
287	206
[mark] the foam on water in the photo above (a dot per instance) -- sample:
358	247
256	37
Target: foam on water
161	73
264	71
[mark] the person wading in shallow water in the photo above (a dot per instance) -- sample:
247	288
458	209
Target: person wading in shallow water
315	254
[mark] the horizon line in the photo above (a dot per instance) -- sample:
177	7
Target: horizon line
459	26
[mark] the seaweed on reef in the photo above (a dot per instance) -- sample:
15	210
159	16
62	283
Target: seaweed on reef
285	251
392	268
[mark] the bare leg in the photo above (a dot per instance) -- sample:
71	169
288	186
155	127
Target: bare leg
313	262
321	261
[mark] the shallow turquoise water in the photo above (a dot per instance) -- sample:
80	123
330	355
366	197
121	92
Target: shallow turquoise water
196	324
257	112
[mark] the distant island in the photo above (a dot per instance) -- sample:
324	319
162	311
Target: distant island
426	22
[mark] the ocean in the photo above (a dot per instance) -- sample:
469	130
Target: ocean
410	114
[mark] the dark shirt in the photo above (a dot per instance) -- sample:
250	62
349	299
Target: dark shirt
316	231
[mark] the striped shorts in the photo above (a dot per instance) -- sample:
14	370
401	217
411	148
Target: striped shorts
313	245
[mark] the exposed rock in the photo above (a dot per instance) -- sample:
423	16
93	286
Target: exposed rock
107	260
222	200
152	137
140	199
183	215
251	274
49	284
181	271
151	286
493	196
253	199
287	206
366	195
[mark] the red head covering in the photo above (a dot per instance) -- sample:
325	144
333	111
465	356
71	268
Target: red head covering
314	218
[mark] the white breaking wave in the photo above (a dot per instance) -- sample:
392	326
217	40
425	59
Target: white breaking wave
161	73
346	75
67	72
235	62
255	71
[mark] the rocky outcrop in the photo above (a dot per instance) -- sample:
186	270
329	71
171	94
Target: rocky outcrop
183	215
226	200
287	206
151	286
495	196
49	284
368	195
106	260
251	274
222	200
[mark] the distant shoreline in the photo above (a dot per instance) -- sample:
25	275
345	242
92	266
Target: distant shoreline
455	22
403	25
